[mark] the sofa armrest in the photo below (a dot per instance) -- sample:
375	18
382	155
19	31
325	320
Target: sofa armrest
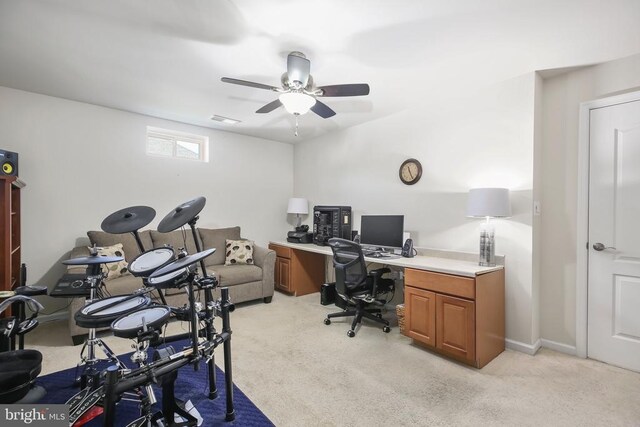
259	255
265	259
77	252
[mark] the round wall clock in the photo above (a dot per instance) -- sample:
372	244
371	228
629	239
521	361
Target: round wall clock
410	171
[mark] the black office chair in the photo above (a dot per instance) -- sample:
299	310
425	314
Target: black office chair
357	289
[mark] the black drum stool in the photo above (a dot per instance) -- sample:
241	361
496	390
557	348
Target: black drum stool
20	368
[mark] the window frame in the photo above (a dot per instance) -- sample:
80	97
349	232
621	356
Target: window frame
174	137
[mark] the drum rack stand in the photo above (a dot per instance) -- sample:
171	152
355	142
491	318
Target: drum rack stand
90	376
164	370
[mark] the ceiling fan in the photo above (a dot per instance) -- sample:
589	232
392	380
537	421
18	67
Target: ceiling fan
298	93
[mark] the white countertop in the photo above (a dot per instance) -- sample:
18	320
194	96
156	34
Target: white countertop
419	262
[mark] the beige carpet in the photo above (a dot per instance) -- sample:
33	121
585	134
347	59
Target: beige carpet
300	372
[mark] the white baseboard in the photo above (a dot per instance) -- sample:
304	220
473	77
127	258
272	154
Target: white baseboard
558	346
53	317
522	347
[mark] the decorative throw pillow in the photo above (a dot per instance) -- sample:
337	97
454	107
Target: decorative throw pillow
113	269
239	252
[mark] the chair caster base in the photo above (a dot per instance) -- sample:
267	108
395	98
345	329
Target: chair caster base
350	333
386	329
327	321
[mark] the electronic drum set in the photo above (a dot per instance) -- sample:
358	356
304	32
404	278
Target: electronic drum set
137	317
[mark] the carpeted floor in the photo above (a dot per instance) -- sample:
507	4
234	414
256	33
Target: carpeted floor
301	372
190	386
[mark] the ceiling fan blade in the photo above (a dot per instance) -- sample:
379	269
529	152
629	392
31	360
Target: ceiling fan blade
358	89
322	110
298	68
247	83
270	107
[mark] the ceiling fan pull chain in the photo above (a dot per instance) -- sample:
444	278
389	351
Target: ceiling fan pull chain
296	132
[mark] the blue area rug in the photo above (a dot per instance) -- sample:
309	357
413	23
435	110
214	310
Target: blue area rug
190	385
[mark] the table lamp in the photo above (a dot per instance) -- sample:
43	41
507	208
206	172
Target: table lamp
298	206
488	203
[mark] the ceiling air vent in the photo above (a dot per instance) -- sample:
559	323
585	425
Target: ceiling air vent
223	119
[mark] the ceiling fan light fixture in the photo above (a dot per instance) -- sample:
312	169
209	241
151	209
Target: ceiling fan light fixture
297	102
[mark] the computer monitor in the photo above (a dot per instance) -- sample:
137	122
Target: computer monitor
384	231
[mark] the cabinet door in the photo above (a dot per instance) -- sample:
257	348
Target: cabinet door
420	315
455	326
283	274
276	273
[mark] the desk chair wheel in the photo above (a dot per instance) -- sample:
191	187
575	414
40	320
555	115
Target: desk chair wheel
386	329
327	321
350	333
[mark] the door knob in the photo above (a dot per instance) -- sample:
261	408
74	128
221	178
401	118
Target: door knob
601	247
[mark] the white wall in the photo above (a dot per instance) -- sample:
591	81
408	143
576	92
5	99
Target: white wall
82	162
482	139
562	95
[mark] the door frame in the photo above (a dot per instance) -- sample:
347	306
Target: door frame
582	226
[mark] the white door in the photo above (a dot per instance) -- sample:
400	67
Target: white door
614	235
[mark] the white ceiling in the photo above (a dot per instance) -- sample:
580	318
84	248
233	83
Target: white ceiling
165	58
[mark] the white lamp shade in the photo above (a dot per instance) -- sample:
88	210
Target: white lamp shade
298	206
488	202
296	102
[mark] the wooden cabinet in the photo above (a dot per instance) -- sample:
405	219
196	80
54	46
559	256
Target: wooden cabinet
10	232
298	272
460	317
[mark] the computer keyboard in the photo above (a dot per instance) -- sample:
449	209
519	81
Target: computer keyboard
376	254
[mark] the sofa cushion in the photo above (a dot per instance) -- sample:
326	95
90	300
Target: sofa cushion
217	238
229	275
113	270
239	252
124	284
175	239
129	245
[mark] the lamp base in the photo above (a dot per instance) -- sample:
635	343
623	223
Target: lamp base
487	247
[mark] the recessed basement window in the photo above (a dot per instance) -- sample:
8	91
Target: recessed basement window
181	145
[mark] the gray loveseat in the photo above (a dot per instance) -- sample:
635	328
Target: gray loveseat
245	282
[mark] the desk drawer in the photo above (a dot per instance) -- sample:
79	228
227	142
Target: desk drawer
281	251
443	283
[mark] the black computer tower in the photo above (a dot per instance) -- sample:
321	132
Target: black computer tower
331	221
328	293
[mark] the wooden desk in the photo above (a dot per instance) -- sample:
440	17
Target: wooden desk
298	271
453	307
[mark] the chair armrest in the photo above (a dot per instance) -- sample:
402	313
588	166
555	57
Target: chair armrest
377	273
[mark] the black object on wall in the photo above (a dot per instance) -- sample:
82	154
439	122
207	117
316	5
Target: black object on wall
8	163
331	221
